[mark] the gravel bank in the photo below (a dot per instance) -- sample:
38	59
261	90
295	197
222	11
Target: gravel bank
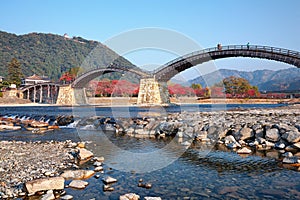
21	162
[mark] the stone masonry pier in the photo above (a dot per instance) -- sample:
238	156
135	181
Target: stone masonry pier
153	92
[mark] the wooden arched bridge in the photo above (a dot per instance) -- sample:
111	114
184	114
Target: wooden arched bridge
170	69
153	87
82	80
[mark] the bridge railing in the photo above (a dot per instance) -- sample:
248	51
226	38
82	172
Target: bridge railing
269	49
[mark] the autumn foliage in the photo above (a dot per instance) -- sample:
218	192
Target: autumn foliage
119	88
231	87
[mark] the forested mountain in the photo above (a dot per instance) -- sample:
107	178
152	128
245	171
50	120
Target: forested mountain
266	80
51	55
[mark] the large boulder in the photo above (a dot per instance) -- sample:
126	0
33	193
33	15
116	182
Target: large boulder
292	136
64	120
166	128
272	135
245	133
53	183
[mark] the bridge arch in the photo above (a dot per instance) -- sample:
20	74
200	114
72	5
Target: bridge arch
82	80
170	69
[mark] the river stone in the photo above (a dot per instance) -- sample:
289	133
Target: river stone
269	144
108	188
272	135
77	174
54	183
99	159
292	136
97	164
109	180
229	139
291	160
98	169
129	196
166	128
297	145
245	133
78	184
66	197
287	154
48	196
85	154
152	198
244	150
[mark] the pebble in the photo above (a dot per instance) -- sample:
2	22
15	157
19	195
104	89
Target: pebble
129	196
244	150
108	188
109	180
66	197
98	169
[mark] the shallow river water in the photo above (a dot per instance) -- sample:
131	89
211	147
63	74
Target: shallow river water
199	172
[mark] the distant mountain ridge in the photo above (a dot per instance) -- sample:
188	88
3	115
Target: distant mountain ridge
51	55
266	80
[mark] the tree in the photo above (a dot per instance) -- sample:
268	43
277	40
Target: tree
74	71
15	72
236	86
196	86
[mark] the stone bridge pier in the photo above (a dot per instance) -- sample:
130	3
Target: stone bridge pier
153	92
68	95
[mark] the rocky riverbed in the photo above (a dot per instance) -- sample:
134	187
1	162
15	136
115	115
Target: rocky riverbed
22	162
41	168
239	130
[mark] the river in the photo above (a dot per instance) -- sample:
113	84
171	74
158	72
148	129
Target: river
199	172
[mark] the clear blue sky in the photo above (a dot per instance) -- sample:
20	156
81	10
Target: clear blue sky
208	22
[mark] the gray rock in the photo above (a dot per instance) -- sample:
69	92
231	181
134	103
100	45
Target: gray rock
77	174
48	196
292	136
244	150
129	196
109	180
229	139
85	154
98	169
291	160
54	183
66	197
99	159
272	135
259	133
166	128
78	184
97	164
108	188
269	144
245	133
279	145
287	154
297	145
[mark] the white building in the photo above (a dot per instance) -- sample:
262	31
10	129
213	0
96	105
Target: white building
35	79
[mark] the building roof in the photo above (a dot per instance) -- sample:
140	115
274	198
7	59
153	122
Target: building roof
36	77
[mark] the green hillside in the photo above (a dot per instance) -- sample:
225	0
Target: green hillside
51	55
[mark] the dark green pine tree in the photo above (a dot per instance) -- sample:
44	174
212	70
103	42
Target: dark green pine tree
14	72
